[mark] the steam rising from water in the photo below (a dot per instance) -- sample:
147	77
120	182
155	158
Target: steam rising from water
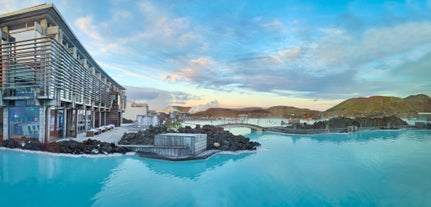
204	107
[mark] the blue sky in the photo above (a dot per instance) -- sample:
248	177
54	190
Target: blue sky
308	54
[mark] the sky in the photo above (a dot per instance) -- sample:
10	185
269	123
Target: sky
246	53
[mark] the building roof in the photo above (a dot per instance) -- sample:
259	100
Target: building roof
53	15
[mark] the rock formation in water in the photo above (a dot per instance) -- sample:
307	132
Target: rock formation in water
217	138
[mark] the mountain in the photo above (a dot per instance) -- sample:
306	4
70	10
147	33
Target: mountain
420	102
293	112
256	112
252	112
362	106
383	106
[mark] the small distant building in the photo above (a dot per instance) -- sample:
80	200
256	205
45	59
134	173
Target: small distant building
145	121
425	116
424	120
135	108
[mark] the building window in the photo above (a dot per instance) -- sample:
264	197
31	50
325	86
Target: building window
56	123
24	122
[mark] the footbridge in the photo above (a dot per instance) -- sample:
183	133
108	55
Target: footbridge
253	127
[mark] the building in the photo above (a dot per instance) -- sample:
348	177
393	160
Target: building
424	120
174	146
50	85
193	144
134	109
145	121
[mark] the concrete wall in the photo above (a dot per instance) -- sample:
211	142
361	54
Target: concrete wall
196	143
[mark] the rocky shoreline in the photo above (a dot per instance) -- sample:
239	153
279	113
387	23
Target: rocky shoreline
341	125
90	147
217	138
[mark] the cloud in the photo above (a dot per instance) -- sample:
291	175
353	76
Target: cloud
182	98
155	98
164	31
120	15
241	51
128	72
289	54
159	99
86	26
156	38
274	23
11	6
197	70
336	64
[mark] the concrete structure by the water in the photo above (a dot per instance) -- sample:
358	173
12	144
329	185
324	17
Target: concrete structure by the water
424	120
175	146
50	85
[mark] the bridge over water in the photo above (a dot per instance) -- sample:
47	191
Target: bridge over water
253	127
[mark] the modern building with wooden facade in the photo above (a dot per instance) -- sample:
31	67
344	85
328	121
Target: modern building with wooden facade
50	85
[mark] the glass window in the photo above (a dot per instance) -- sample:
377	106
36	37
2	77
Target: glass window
56	124
24	122
81	121
25	35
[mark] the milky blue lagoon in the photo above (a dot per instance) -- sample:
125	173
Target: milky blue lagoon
373	168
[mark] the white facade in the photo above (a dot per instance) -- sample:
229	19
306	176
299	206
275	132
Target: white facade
133	111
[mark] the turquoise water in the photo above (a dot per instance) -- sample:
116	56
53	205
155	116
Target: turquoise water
374	168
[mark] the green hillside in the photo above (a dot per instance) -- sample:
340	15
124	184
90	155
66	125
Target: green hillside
383	106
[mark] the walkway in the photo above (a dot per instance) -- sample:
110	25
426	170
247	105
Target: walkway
113	136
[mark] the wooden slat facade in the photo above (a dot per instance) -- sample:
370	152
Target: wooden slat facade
49	81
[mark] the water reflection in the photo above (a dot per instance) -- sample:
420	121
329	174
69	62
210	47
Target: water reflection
363	136
192	169
150	182
26	178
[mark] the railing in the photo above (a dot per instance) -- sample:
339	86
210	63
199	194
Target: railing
242	125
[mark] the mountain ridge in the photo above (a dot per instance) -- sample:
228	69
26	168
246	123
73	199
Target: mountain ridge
360	106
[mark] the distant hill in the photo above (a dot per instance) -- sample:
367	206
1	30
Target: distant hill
182	109
217	112
275	111
293	112
421	102
362	106
383	106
